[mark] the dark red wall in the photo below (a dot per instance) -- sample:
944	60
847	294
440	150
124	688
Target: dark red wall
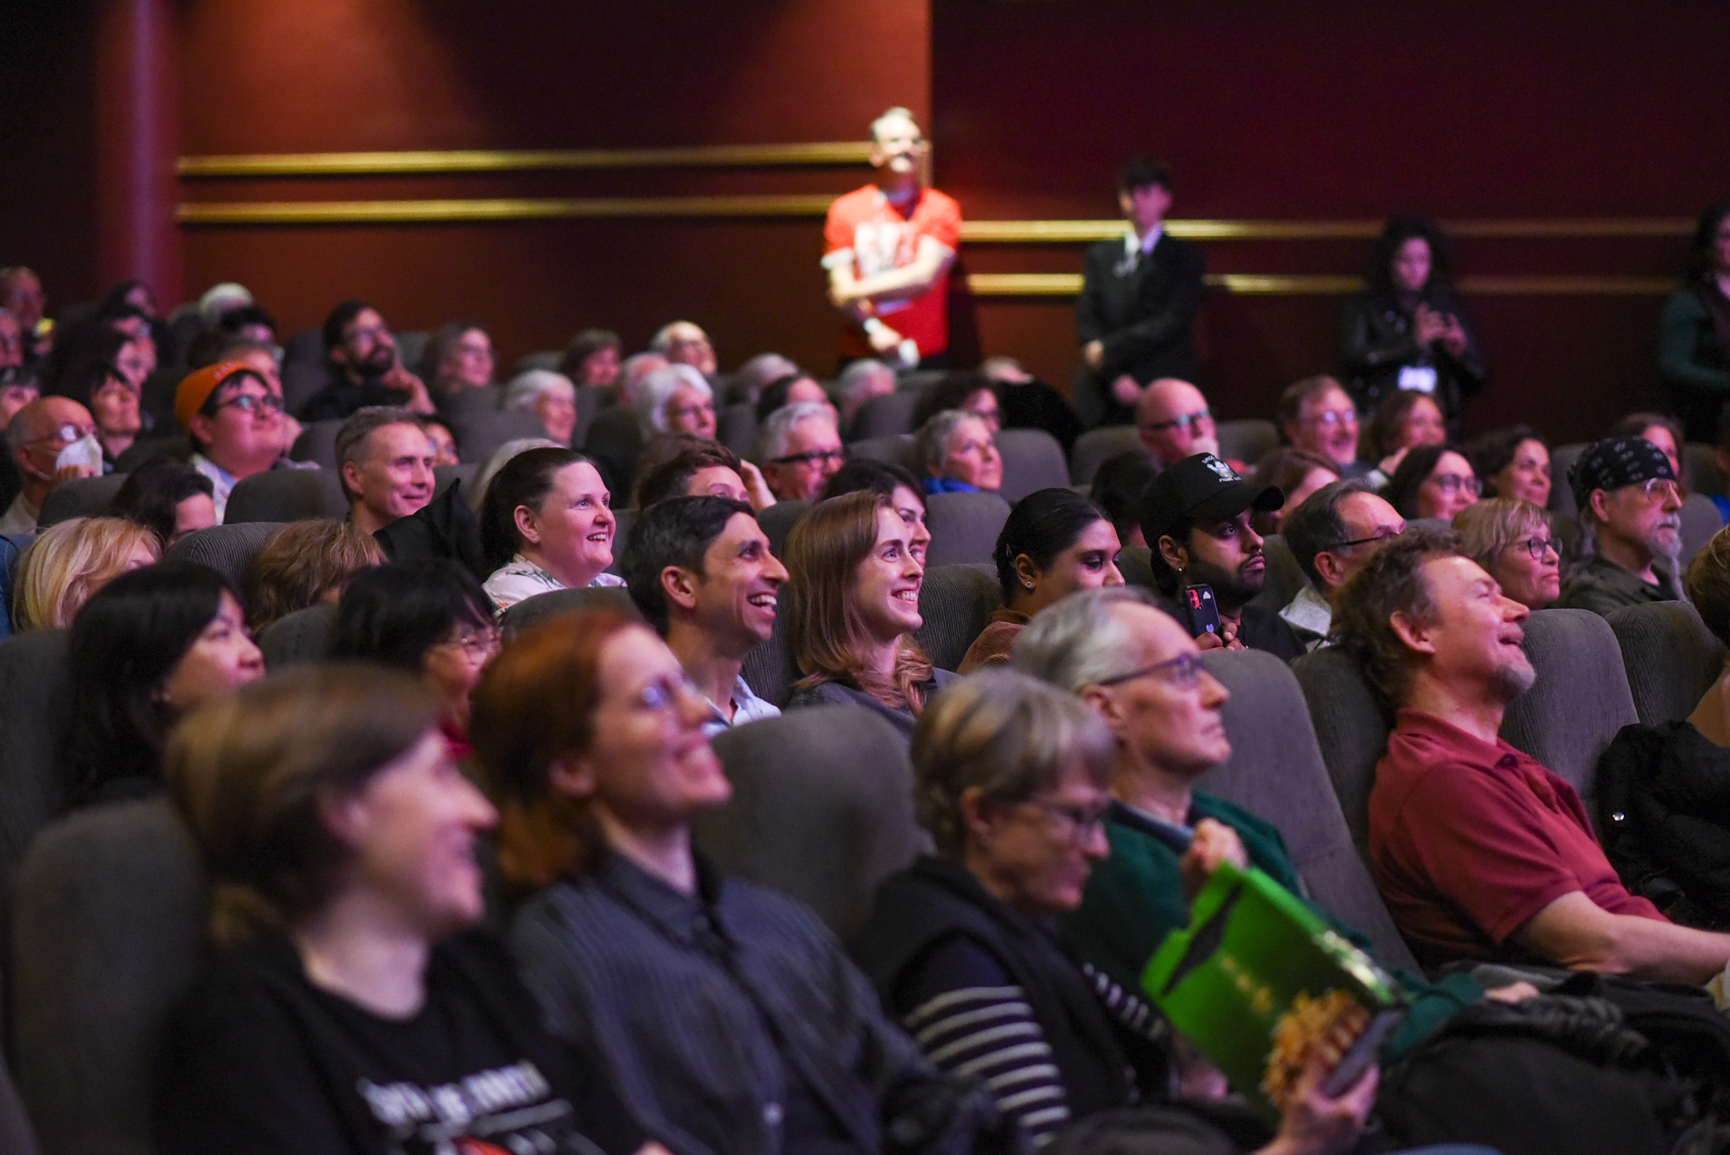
1470	110
1467	110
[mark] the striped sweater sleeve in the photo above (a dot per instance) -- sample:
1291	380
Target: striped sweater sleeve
972	1020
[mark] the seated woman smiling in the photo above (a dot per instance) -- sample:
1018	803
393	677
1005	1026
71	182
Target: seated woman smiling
852	606
956	452
546	524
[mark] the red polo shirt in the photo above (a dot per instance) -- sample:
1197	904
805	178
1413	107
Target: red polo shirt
1470	839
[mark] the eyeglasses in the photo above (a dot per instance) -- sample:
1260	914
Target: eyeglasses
1182	421
1183	671
67	433
1453	483
1334	417
1072	824
686	412
1536	546
814	457
663	695
252	403
1661	488
476	646
1380	536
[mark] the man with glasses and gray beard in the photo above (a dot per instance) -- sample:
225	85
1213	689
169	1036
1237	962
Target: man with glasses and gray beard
1630	510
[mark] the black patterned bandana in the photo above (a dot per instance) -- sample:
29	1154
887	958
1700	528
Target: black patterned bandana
1614	462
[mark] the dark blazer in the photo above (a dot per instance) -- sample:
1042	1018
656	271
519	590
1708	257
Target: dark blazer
1143	314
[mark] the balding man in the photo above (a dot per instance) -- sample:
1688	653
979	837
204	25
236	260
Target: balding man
1174	422
685	343
53	439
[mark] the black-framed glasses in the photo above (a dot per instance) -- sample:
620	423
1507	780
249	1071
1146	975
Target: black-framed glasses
1183	671
814	457
1182	421
1381	536
1535	546
252	404
1071	823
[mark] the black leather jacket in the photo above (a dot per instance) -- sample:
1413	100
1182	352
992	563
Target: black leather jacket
1376	342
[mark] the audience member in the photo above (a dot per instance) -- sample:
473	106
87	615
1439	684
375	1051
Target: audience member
345	1010
549	396
1480	851
701	571
11	341
1433	481
1317	414
458	355
261	358
1660	431
1139	297
70	561
1407	330
799	449
1513	542
113	404
1707	583
973	393
1174	422
888	248
795	388
1297	473
147	648
306	563
1054	542
684	343
490	468
444	442
687	466
754	376
1332	534
1196	519
1694	334
365	370
591	360
167	497
957	452
1405	419
853	604
1012	780
631	373
1512	462
235	422
858	383
53	439
21	295
889	480
1630	517
676	400
430	618
1118	486
700	993
17	389
385	461
546	524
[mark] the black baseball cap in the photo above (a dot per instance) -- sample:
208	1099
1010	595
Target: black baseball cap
1201	488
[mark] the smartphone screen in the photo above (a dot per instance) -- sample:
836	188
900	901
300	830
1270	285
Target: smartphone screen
1201	610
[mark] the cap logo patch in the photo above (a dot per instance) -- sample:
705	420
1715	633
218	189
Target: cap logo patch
1220	469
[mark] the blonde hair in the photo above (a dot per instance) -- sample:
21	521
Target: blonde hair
302	563
250	772
1708	584
70	561
824	551
1007	735
1489	526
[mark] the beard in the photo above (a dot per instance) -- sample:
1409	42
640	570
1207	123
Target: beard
1231	589
1514	678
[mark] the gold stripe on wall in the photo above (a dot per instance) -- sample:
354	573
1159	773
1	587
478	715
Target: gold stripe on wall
1073	232
1264	284
502	209
522	160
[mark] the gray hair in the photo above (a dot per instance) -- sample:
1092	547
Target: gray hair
854	378
664	335
895	113
221	298
657	389
484	476
751	378
632	370
1007	735
531	385
931	443
1077	641
778	427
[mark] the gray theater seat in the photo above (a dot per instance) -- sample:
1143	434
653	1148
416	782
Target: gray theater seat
301	636
887	415
1276	771
35	716
531	611
1669	656
777	521
85	497
1032	460
1095	446
1247	439
964	526
769	668
822	809
956	603
286	495
894	449
227	549
317	443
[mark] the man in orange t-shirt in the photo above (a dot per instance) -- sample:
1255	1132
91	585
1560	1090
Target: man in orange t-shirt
887	248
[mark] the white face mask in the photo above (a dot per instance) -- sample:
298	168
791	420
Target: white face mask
86	453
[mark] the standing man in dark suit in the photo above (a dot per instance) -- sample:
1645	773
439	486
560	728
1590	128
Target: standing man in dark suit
1139	296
